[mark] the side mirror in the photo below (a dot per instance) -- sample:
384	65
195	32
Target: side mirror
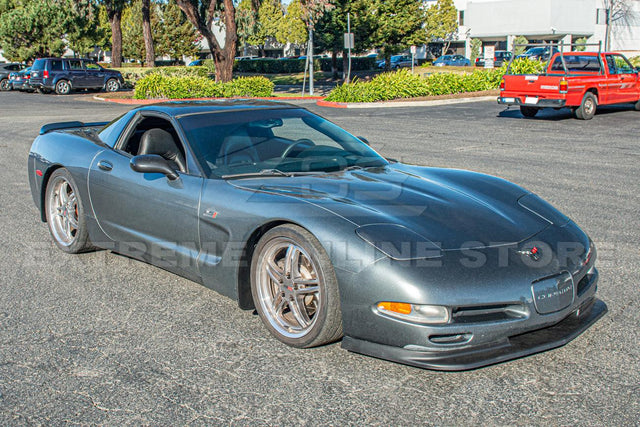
363	139
153	163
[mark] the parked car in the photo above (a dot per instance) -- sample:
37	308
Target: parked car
499	58
452	60
397	61
5	71
292	216
195	63
63	75
20	80
581	81
541	53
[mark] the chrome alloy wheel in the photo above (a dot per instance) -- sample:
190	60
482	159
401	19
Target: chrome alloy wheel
289	287
63	211
112	85
589	106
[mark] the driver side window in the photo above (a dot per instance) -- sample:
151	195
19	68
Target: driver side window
295	129
154	135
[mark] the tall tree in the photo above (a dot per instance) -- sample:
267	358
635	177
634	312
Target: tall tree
202	13
114	12
175	36
150	56
246	22
442	23
31	28
397	25
292	28
132	36
270	17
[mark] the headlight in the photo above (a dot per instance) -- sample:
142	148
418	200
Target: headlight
417	313
543	209
398	242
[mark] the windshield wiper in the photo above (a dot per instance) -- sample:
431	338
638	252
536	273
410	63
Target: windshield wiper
263	172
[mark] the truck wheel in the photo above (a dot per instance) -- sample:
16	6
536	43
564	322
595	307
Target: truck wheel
529	111
112	85
587	108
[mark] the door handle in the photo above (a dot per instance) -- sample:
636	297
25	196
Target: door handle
104	165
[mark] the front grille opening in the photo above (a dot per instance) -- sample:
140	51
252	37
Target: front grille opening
489	313
450	339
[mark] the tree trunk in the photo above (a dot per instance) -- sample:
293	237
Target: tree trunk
115	18
148	37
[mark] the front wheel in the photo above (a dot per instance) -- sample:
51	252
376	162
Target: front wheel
112	85
65	213
587	108
5	85
529	111
63	87
294	288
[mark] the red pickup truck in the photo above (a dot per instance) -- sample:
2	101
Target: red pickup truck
578	80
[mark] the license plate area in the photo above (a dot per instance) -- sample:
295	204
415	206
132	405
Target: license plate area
531	100
553	293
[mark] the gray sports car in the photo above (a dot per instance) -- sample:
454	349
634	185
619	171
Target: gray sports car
294	217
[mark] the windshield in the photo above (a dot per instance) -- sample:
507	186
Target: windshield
288	140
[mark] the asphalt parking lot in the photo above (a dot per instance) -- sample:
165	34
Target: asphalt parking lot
102	339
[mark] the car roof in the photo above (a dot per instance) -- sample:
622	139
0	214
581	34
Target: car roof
184	108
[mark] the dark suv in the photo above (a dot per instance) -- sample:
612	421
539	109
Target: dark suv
5	70
63	75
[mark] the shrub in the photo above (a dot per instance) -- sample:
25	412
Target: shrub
525	66
132	74
281	66
159	86
403	84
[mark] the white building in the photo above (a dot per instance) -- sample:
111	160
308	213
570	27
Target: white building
499	22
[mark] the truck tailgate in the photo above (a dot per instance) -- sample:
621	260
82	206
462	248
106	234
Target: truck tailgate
539	86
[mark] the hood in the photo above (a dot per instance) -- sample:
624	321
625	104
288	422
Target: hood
451	208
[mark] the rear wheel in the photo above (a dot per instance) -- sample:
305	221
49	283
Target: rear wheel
63	87
5	85
294	288
529	111
637	106
65	213
587	108
112	85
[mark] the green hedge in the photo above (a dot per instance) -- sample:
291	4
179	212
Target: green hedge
403	84
131	75
158	86
282	66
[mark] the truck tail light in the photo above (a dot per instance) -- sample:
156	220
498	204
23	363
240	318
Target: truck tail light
45	74
564	86
502	84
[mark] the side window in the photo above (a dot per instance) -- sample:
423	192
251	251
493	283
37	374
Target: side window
92	66
622	65
154	135
75	65
294	129
56	65
611	65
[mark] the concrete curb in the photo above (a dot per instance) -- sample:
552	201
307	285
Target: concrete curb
155	101
388	104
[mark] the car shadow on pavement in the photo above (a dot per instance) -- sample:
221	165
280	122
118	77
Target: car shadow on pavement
561	114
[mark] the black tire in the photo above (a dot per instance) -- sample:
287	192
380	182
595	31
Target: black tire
63	87
5	85
281	303
529	111
588	107
66	220
112	85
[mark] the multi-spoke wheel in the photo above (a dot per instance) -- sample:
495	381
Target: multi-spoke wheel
112	85
64	213
63	87
295	289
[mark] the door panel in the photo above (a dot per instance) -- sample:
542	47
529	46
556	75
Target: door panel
148	216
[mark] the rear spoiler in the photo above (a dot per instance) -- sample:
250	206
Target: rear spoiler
68	125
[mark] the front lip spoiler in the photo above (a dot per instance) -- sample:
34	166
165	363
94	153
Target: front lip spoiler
471	358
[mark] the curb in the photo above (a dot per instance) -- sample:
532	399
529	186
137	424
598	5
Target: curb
130	101
387	104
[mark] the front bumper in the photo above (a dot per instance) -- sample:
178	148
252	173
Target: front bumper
512	347
539	102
